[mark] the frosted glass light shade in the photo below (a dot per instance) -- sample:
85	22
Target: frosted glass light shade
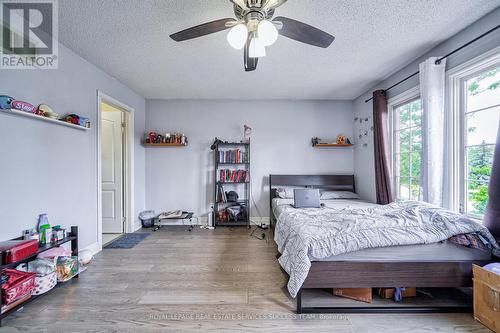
237	36
268	34
256	49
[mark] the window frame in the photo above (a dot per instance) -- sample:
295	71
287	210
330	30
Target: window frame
393	103
456	106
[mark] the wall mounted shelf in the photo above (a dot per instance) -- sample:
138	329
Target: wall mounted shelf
333	145
165	145
42	118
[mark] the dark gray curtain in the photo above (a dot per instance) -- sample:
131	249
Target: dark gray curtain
383	181
492	215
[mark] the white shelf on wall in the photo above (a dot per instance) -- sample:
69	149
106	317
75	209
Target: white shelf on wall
42	118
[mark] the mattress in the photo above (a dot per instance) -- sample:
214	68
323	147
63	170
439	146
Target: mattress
441	251
280	205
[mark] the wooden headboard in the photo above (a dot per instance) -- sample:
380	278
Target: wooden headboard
330	182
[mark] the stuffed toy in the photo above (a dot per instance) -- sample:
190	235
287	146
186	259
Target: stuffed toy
5	102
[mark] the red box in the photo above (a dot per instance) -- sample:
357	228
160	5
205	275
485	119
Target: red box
18	285
15	250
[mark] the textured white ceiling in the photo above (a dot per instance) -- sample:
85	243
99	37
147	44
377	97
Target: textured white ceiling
129	40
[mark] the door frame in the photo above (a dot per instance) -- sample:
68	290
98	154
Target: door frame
128	163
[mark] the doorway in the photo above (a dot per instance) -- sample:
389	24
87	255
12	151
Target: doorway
115	169
112	168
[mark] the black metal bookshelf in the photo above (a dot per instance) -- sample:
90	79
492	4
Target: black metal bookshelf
232	185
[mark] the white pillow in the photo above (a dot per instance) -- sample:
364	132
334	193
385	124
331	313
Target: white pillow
326	195
285	193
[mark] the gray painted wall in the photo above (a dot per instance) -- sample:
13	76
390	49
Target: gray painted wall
182	178
52	169
364	157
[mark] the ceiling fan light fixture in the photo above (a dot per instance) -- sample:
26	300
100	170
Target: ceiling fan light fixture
268	34
256	49
237	36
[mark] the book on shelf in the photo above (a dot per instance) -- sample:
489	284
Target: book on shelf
233	176
233	156
222	194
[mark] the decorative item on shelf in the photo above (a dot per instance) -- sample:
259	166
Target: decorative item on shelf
6	102
22	106
76	120
155	138
341	141
247	131
46	111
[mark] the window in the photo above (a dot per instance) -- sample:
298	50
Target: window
480	117
407	148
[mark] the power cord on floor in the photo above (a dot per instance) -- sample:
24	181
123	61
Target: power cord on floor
257	226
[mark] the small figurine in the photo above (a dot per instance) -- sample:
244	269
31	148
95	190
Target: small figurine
247	131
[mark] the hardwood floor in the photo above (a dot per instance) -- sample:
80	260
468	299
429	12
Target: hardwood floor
198	281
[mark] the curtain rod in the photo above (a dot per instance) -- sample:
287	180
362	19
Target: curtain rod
438	61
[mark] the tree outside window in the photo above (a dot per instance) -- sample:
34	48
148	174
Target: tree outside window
482	116
407	149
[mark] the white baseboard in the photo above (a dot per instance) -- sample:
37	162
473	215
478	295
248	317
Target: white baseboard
259	220
203	220
95	248
137	226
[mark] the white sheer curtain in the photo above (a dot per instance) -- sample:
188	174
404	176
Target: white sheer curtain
432	94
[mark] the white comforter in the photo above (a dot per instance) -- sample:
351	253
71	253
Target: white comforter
306	234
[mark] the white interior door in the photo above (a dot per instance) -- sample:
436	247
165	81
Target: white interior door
112	172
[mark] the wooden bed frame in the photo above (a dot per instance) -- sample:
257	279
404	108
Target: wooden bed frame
379	274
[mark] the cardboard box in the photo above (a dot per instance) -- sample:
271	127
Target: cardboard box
358	294
389	292
487	298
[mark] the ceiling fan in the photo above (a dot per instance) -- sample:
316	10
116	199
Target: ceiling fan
254	28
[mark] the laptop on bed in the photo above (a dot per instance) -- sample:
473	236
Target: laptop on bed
306	198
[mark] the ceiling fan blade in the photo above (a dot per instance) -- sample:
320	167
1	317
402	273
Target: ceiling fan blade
304	33
241	3
250	63
201	30
272	4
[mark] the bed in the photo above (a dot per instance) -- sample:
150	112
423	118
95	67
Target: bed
436	264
